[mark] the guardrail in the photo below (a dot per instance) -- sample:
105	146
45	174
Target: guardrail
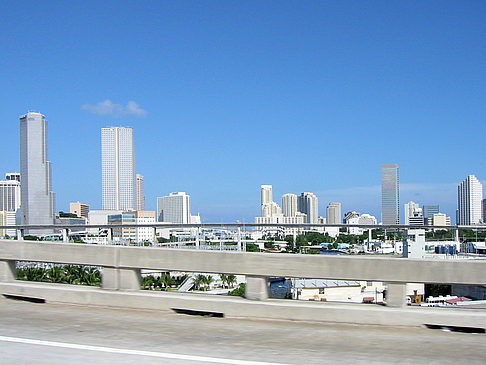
122	266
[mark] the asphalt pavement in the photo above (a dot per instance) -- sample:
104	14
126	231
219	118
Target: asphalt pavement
46	333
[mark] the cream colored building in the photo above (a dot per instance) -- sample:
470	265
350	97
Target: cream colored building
80	209
334	213
440	219
289	205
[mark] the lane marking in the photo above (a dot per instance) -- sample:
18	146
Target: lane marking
166	355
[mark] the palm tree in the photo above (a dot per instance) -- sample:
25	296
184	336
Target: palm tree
148	282
199	281
231	280
208	279
55	274
224	279
167	280
91	276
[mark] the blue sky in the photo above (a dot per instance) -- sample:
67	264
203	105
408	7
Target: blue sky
225	96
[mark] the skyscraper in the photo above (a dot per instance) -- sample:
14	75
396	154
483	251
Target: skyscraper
289	205
118	168
175	208
334	213
390	194
266	194
269	207
38	201
140	193
307	203
469	201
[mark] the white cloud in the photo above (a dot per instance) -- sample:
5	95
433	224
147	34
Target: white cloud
107	107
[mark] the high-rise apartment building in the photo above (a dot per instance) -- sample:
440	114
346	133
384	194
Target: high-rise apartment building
307	204
266	194
390	194
140	193
334	213
38	200
80	209
118	168
175	208
269	207
289	205
469	201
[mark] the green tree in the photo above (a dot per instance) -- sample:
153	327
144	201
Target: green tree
251	247
238	292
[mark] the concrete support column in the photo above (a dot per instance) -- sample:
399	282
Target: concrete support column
109	237
121	279
198	235
65	235
20	234
155	242
239	239
8	270
396	295
256	288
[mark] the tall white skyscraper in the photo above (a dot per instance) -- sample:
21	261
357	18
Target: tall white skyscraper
38	201
469	201
390	194
307	204
118	168
289	205
140	193
175	208
334	213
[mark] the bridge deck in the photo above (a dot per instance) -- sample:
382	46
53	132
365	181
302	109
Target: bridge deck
146	337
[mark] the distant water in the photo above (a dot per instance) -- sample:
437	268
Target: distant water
324	252
280	288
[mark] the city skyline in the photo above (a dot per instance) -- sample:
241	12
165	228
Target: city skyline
243	94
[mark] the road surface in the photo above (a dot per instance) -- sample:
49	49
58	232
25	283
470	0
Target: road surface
34	333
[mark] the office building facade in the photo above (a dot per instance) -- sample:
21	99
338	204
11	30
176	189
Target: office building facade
38	200
118	169
390	194
469	201
175	208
